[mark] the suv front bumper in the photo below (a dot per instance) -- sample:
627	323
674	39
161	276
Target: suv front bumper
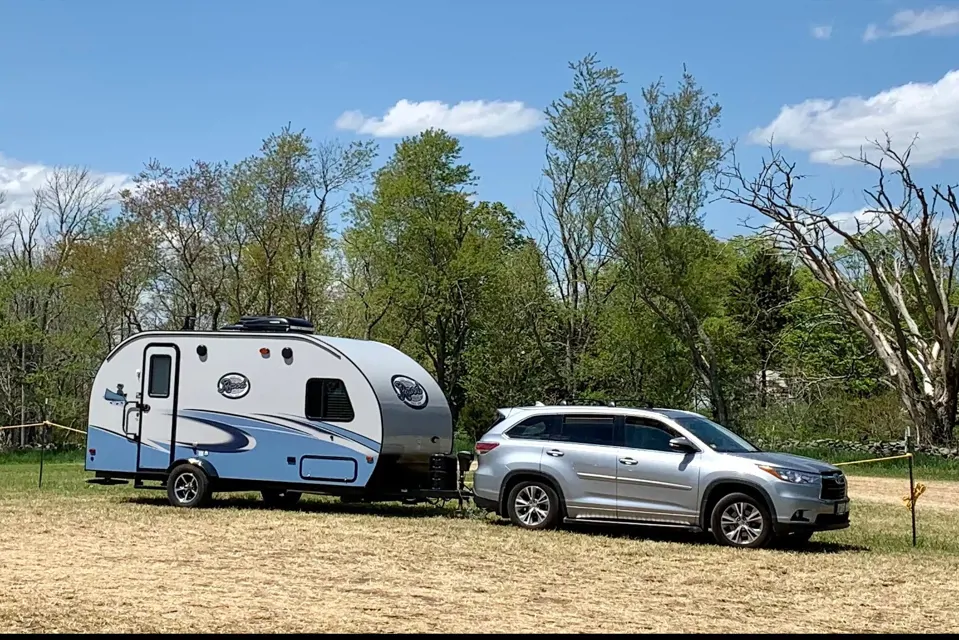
812	515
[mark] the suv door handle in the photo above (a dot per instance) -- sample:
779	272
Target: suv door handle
556	453
628	461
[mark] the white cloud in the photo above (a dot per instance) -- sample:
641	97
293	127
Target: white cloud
936	21
822	31
18	180
828	129
468	118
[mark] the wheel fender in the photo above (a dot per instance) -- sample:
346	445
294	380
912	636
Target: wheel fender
540	475
203	464
707	494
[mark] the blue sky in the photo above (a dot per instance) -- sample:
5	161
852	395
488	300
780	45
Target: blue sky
110	84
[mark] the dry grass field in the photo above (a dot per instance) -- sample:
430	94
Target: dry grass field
76	558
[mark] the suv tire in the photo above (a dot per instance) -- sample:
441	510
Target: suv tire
533	504
740	520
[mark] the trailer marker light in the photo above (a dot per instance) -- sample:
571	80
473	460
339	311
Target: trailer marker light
485	447
264	351
369	459
93	452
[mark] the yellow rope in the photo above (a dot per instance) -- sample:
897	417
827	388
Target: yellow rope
841	464
43	424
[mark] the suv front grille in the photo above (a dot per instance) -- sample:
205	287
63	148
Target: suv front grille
833	486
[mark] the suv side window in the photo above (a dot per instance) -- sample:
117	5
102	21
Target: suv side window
535	428
586	429
648	434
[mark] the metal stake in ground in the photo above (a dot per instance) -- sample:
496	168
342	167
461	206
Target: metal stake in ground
40	481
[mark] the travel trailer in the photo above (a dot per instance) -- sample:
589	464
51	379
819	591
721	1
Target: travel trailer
266	405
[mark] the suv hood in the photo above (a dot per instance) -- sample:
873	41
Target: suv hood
788	460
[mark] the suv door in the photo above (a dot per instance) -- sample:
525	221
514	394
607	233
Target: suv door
653	481
582	457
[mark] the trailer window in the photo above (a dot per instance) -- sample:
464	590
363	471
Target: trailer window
160	367
327	399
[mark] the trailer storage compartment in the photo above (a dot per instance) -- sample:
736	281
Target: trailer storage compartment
328	469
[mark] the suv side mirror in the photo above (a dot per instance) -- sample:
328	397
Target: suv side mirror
682	444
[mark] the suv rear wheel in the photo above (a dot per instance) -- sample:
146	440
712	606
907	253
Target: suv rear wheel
533	504
740	520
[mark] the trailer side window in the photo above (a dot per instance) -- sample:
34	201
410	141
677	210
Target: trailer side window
327	399
160	368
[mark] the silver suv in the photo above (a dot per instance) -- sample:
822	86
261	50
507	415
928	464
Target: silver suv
542	465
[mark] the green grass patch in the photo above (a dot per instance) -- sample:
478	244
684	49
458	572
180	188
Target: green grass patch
32	456
876	527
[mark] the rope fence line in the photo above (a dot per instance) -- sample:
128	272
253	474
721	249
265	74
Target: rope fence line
899	457
914	494
45	423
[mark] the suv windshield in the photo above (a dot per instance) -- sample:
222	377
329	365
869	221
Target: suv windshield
718	437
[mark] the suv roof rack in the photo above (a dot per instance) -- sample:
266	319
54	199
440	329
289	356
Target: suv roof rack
278	324
593	402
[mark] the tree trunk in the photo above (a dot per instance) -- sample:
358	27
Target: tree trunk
763	386
939	420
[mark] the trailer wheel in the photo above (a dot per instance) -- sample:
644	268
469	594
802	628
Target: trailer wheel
277	498
533	504
188	486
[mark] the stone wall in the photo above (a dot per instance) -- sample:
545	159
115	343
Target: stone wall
877	448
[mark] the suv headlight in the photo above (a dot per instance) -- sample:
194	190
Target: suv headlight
791	475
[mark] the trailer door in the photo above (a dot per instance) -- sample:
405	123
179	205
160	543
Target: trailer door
158	403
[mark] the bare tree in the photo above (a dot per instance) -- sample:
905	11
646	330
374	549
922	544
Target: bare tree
906	244
179	209
335	169
666	163
572	206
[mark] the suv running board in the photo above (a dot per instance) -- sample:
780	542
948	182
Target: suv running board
636	523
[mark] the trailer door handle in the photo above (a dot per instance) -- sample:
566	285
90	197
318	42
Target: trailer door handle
628	461
556	453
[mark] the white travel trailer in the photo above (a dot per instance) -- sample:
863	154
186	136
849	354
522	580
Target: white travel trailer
266	405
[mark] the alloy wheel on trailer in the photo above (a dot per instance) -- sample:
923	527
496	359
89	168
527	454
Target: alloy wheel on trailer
188	486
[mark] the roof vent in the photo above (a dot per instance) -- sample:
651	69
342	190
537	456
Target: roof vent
271	324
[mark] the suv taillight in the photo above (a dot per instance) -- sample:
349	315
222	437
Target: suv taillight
485	447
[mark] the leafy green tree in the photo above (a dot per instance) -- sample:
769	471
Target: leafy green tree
432	250
666	157
572	204
764	284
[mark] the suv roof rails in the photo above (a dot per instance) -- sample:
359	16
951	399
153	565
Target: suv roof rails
278	324
592	402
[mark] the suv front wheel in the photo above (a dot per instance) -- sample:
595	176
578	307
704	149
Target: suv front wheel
533	504
739	520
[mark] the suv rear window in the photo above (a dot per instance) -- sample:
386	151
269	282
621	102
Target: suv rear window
535	428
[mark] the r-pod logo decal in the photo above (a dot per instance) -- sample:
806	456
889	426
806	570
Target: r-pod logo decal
233	386
410	392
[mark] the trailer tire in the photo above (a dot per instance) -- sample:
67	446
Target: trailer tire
188	486
280	498
533	504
